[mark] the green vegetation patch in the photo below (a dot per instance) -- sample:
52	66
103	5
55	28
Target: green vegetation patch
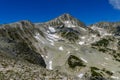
94	68
95	71
107	72
69	34
102	42
2	76
74	61
103	50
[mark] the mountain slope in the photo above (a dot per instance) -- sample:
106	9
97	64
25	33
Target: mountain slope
66	45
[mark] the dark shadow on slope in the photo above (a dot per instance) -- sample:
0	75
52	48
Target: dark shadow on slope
20	50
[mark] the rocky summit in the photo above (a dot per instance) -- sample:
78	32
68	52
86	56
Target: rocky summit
61	49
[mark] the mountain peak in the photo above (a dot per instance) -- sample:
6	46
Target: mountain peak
65	19
66	15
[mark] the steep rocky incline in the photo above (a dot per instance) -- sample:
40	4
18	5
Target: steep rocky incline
60	48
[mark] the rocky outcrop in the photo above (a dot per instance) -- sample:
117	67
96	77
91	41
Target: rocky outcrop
16	40
110	27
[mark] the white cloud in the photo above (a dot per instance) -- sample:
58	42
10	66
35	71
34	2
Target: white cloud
115	3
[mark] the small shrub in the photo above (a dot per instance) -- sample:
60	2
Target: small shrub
103	42
73	61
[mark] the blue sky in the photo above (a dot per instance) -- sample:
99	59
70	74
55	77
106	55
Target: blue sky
88	11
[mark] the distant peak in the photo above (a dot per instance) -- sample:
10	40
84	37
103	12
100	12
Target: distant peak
25	21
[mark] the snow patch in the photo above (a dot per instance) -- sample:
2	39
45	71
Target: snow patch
107	34
53	37
83	29
46	56
69	24
106	58
37	36
104	64
93	27
50	65
52	43
83	37
52	29
42	55
76	49
80	75
94	36
84	60
114	77
81	42
61	48
68	52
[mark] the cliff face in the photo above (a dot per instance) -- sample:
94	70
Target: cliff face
65	45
